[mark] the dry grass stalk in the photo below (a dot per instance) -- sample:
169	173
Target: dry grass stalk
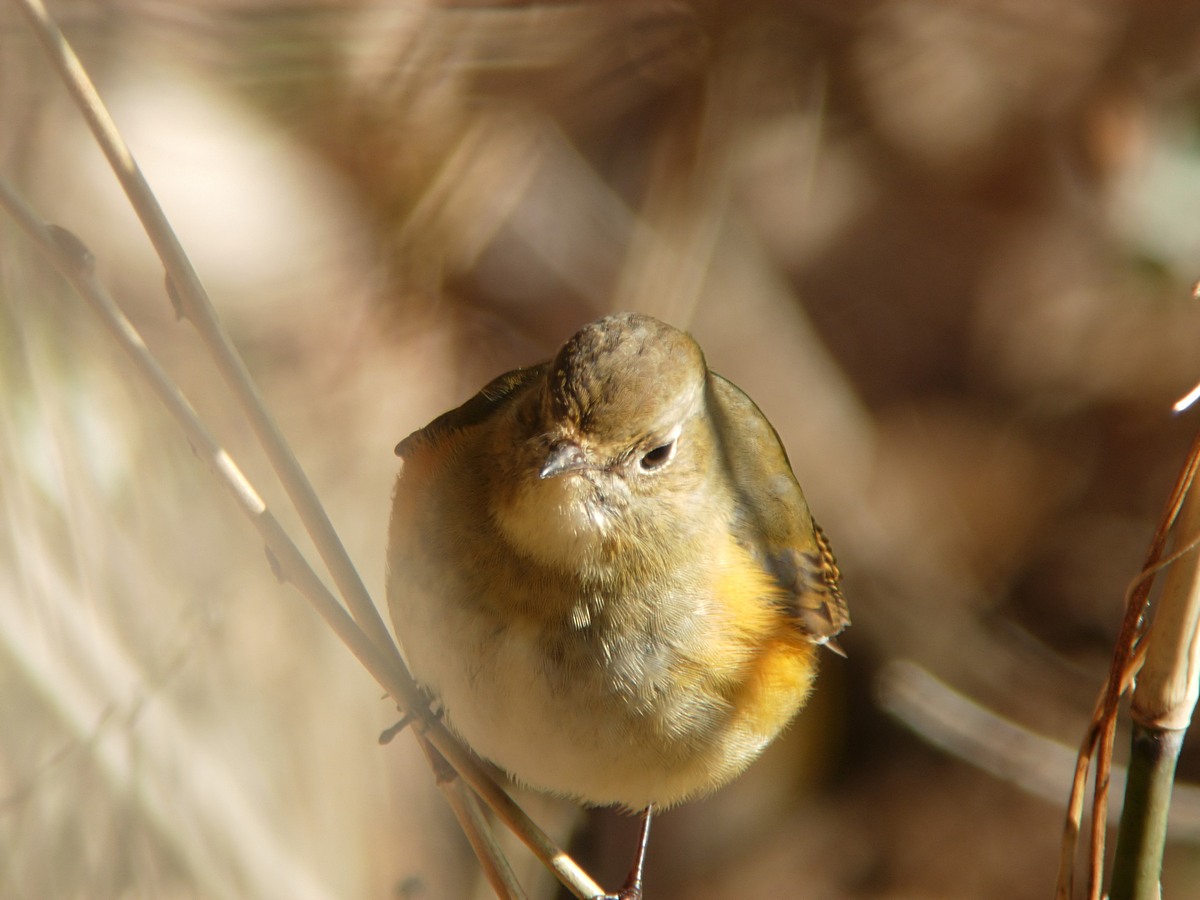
1127	659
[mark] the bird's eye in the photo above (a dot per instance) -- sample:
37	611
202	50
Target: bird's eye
658	457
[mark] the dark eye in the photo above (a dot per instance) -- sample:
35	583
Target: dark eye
658	457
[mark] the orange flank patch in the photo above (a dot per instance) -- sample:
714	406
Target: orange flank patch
778	664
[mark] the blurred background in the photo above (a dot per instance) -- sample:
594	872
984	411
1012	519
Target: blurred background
949	248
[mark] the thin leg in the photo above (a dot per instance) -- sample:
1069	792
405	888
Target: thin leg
632	889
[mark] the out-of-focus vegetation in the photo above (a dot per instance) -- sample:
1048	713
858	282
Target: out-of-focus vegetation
949	248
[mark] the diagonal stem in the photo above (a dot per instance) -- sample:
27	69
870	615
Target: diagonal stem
193	303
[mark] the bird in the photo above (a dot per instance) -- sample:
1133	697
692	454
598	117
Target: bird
604	571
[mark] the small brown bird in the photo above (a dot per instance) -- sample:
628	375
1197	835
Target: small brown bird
604	569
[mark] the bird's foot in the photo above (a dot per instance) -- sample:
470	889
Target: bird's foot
632	890
629	892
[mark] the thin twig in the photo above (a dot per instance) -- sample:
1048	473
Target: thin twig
194	304
72	258
465	806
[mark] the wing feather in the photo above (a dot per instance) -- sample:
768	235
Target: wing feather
776	525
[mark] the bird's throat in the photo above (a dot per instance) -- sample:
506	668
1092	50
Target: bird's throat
564	523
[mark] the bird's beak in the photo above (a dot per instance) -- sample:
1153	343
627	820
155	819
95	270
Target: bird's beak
564	457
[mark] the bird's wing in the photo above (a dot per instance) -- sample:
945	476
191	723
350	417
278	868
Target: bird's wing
776	525
491	397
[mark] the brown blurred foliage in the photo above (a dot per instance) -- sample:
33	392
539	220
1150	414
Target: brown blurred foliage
948	247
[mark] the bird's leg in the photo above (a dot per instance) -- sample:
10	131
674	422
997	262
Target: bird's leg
632	890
